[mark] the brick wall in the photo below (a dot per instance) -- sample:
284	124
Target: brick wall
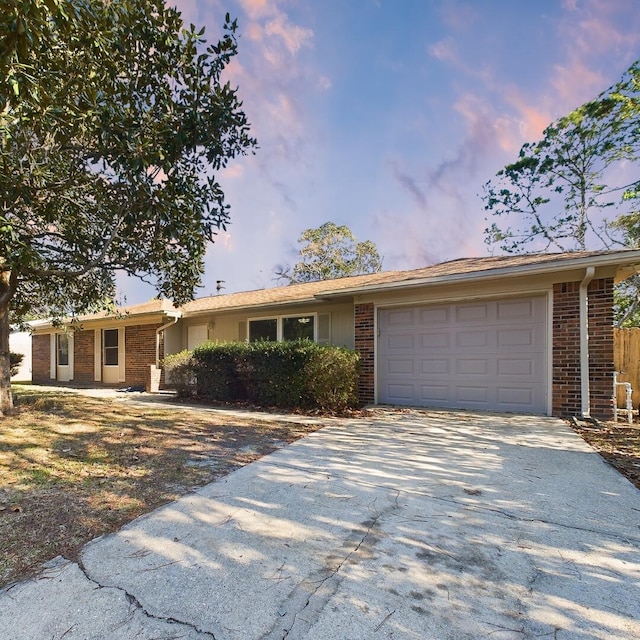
566	349
601	364
40	358
140	352
365	346
83	359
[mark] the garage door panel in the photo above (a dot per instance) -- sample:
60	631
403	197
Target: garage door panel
479	338
401	393
524	337
511	310
439	366
472	367
489	355
476	394
403	318
514	396
400	366
472	312
432	394
435	316
401	341
515	367
435	341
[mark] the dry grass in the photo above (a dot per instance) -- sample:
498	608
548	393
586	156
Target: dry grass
73	467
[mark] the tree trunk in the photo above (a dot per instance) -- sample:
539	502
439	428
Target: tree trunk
6	399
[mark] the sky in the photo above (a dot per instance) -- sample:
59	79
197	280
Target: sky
389	116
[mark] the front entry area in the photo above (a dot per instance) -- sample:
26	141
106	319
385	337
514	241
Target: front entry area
489	355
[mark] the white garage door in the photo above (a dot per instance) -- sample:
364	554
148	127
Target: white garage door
488	355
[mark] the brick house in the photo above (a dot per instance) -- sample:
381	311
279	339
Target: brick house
529	334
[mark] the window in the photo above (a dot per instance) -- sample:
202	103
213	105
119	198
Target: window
284	328
62	349
263	330
298	328
110	342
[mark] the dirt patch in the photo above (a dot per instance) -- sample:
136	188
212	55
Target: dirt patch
618	443
73	467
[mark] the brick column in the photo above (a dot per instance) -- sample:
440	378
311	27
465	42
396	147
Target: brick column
601	365
566	388
365	346
83	357
40	358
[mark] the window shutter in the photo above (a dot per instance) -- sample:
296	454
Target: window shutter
324	328
242	331
52	356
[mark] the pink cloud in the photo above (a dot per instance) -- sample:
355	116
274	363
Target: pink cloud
257	9
445	51
293	36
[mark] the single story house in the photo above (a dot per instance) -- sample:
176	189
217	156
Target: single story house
528	333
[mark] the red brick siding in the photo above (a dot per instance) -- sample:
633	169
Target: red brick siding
140	353
83	359
601	364
566	349
40	358
365	346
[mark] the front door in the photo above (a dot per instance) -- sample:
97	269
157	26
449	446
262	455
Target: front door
63	370
110	356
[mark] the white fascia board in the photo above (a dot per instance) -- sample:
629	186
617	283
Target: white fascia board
250	307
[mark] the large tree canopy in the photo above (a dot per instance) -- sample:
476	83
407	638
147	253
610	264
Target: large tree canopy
114	120
578	187
329	252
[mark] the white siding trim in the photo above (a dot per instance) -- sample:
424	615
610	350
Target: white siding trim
121	355
71	359
97	355
53	360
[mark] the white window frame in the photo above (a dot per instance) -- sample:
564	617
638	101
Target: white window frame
279	323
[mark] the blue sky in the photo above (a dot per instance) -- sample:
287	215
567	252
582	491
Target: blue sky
388	116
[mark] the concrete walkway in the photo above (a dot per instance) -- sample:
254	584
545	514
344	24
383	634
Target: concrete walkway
411	525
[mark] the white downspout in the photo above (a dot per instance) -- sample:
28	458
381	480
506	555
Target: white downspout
584	342
159	330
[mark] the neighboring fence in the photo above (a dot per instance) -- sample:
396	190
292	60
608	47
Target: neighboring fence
626	358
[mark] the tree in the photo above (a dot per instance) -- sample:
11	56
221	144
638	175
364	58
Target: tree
113	121
331	252
578	187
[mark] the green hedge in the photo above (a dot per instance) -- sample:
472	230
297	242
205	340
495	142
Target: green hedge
300	374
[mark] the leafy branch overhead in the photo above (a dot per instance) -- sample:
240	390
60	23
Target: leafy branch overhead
565	191
330	252
114	119
578	187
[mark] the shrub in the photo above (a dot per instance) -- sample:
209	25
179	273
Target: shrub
179	372
220	370
15	360
298	374
331	375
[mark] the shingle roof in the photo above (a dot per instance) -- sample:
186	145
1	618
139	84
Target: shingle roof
312	290
145	308
300	293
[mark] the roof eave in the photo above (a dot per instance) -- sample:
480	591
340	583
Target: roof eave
38	325
631	262
248	307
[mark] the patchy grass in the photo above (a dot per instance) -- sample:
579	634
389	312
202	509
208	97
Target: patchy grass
74	467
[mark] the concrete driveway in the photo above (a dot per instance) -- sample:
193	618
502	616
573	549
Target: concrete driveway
410	525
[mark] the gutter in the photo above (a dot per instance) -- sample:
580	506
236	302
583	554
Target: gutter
584	343
159	330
